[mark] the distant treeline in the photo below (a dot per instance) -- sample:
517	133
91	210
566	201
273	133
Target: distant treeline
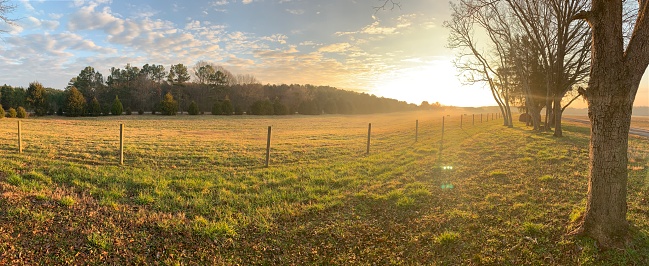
212	90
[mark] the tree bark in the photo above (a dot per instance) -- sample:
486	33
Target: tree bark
614	79
558	131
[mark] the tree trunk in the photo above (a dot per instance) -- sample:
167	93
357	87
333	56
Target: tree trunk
605	217
614	79
557	113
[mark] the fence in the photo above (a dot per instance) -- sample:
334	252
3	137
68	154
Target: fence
231	142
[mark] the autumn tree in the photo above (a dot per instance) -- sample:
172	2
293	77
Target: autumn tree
617	67
169	106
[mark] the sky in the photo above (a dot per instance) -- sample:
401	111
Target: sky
397	53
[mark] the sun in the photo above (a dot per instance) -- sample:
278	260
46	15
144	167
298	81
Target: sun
436	81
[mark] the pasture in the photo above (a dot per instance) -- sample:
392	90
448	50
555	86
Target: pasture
193	189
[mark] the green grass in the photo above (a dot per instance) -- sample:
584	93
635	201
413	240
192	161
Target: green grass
193	190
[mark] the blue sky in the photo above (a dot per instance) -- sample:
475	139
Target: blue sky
397	53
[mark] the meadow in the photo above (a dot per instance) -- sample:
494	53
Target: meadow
194	190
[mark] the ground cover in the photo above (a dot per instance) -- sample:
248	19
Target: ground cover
194	190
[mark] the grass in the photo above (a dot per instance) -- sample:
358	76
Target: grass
194	191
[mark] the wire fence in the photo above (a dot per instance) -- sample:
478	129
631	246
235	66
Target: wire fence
206	142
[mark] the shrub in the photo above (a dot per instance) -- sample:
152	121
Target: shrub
226	107
105	110
95	107
238	110
128	111
117	108
217	109
169	106
21	112
264	107
12	113
2	112
193	108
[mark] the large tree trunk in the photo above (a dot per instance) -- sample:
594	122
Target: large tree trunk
614	79
605	217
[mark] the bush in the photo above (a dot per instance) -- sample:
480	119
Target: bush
105	110
95	107
140	112
264	107
12	113
169	106
217	109
238	110
128	111
226	107
2	112
117	108
21	112
193	108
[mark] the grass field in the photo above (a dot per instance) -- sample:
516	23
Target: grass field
194	190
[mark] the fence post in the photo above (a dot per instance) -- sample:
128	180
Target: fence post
369	136
268	147
121	144
416	130
20	139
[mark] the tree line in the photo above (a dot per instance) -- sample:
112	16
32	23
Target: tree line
206	88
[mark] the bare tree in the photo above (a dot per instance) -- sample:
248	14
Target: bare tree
617	67
476	65
562	47
6	7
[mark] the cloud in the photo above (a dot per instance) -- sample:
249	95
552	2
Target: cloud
295	11
245	2
335	48
219	3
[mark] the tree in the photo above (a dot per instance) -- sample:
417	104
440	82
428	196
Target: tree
21	112
6	7
264	107
193	109
616	70
117	108
226	107
89	82
2	112
37	99
12	113
279	108
75	103
178	74
169	106
217	108
95	107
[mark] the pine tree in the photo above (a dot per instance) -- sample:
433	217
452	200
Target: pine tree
75	103
217	108
117	108
226	107
95	107
193	108
169	106
36	98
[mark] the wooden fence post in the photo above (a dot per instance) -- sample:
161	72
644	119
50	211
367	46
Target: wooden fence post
121	144
20	139
416	130
268	147
369	136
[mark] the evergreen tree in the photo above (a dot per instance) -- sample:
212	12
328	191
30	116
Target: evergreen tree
264	107
238	110
193	108
117	108
95	107
37	99
75	103
226	107
217	108
169	106
279	108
